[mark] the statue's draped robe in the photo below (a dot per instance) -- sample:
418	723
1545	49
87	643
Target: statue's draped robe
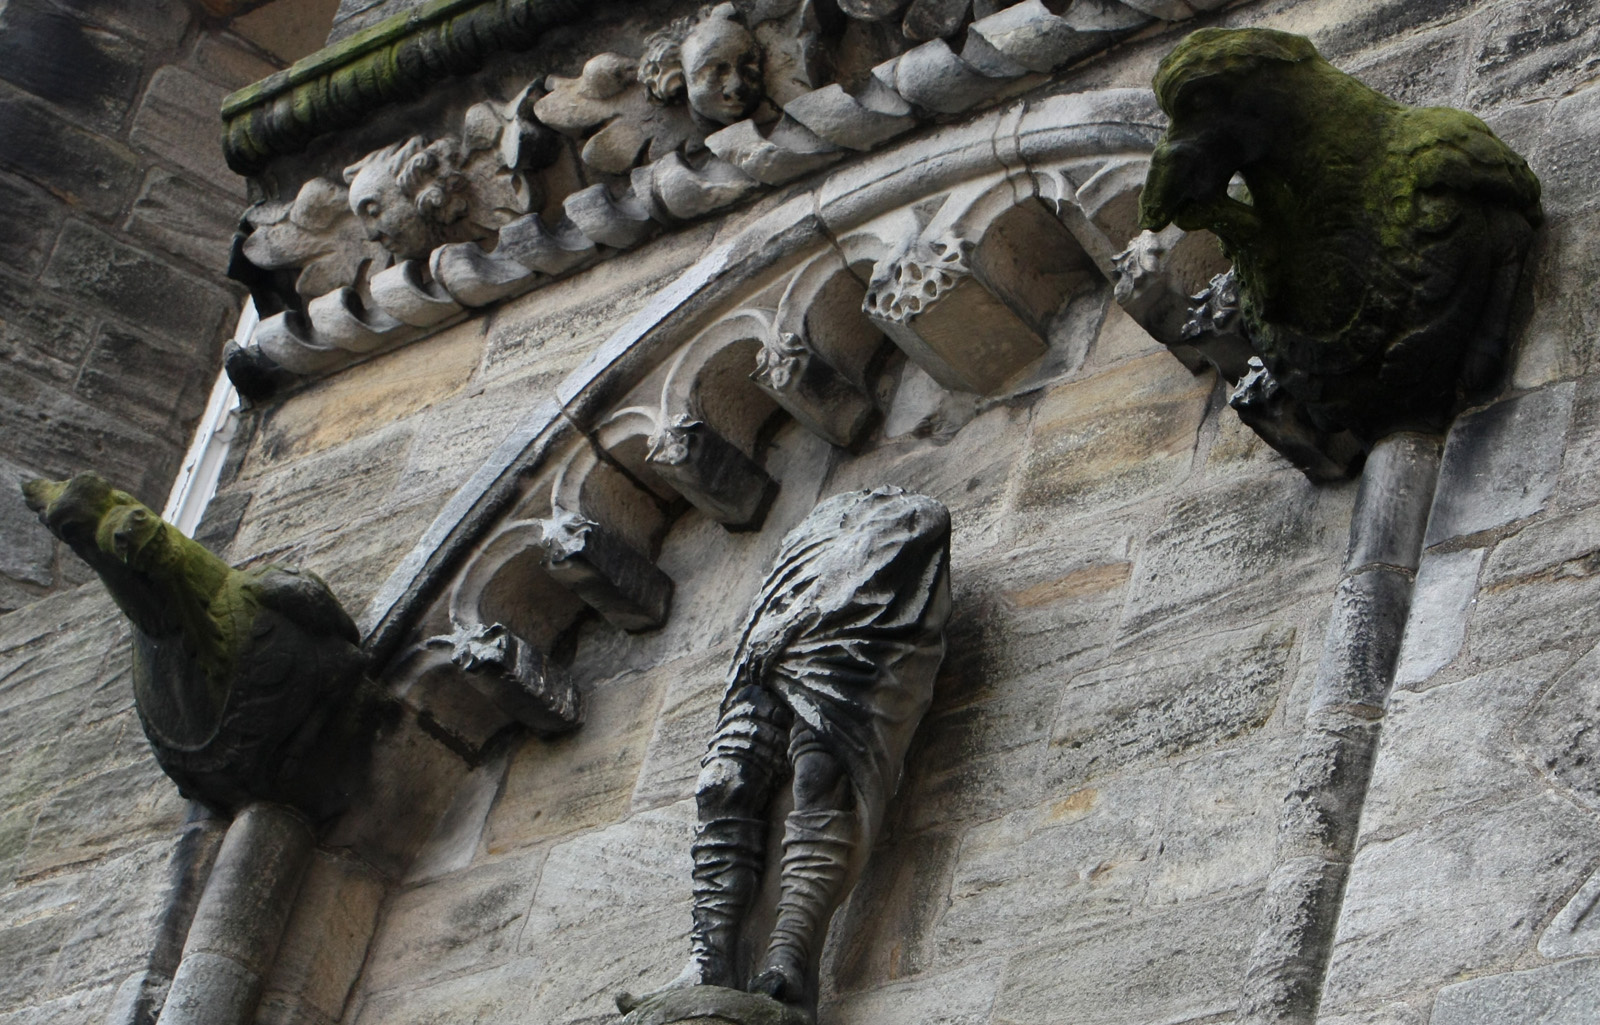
848	631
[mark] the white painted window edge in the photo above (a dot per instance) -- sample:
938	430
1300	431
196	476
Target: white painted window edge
202	464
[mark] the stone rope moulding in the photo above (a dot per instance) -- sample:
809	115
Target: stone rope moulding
430	285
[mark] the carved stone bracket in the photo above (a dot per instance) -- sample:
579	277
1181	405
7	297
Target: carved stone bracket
712	473
812	391
610	575
514	675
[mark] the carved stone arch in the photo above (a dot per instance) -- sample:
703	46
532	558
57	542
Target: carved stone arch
822	305
601	538
710	380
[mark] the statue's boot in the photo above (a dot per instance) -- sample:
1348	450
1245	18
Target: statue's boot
729	854
818	848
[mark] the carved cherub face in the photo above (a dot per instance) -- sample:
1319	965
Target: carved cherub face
722	66
403	195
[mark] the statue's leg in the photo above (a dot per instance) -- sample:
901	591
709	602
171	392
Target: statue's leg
745	756
819	841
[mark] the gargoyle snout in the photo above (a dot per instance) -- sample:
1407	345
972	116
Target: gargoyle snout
38	494
64	506
1184	172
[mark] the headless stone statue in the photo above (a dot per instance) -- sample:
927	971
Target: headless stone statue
831	677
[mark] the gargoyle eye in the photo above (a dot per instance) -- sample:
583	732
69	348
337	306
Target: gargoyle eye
367	208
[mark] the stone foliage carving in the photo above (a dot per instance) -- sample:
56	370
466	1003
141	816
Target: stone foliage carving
731	101
830	679
243	679
1379	246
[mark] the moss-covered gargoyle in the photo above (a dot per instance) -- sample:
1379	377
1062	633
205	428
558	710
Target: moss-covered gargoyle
243	679
1378	250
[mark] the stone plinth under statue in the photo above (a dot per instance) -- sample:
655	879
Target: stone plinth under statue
714	1005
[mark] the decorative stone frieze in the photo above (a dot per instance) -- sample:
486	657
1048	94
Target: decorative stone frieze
611	576
811	390
472	220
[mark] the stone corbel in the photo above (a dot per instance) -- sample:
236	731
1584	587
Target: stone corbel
608	574
711	472
808	387
970	297
514	675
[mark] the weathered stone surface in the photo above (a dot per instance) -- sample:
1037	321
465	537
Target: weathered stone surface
40	335
161	389
96	269
687	717
1110	440
1204	692
95	815
1563	994
466	922
1184	962
961	997
611	914
885	928
1422	70
30	228
84	1007
1579	484
56	57
495	994
1451	747
585	779
319	494
176	121
1179	834
1440	605
367	398
1500	464
1243	537
1542	48
224	61
1465	894
26	550
1575	930
325	944
184	219
1556	734
84	169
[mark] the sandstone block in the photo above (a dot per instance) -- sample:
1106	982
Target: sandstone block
1441	603
94	268
177	122
185	220
1492	874
1185	962
1112	439
1247	537
40	336
30	229
1206	691
1562	994
56	57
85	169
1500	463
463	923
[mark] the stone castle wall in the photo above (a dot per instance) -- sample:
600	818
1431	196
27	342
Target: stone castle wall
118	214
1088	820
